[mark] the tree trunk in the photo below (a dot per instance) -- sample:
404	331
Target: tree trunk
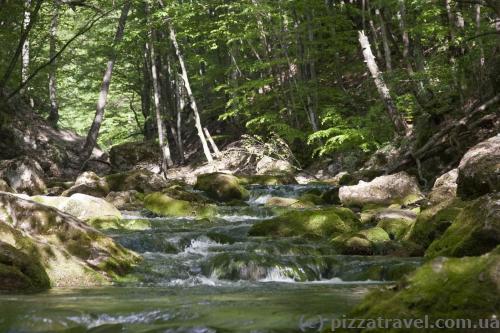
212	143
20	47
162	134
385	41
25	58
192	99
312	99
398	121
93	133
149	126
54	106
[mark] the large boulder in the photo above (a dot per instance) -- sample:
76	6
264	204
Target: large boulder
399	188
140	180
81	206
130	155
71	252
270	166
320	223
396	222
479	170
24	175
19	271
89	183
445	187
466	288
221	187
164	205
474	231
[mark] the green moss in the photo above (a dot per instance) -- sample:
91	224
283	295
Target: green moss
365	242
396	228
221	187
433	222
164	205
288	202
119	224
475	231
443	288
320	223
313	198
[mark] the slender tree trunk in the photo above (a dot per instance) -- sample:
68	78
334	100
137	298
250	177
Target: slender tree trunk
179	107
398	121
385	41
54	106
19	50
162	135
212	142
103	96
192	99
149	126
312	98
25	58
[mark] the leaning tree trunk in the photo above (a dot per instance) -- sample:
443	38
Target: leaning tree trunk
385	40
54	106
103	96
192	99
398	121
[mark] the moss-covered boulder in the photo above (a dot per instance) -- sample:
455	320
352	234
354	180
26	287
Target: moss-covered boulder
72	253
24	175
479	170
399	188
221	187
279	179
81	206
320	223
432	222
19	271
445	187
443	288
163	205
140	180
126	200
181	191
365	242
130	155
396	222
475	230
89	183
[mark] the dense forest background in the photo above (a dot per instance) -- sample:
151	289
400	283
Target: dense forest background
293	68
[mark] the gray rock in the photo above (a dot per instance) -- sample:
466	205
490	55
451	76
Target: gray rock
479	170
445	187
399	188
23	175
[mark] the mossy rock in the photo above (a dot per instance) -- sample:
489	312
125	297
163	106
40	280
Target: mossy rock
163	205
433	222
72	253
321	223
475	231
140	180
365	242
395	228
119	224
4	187
288	202
313	198
21	272
284	179
179	192
221	187
443	288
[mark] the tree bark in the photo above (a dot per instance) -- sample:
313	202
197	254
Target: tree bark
25	58
93	133
385	41
19	50
149	126
398	121
54	106
162	134
192	99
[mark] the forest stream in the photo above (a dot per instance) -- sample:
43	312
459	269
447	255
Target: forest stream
209	276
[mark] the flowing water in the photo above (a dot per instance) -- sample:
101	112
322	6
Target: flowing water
208	276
